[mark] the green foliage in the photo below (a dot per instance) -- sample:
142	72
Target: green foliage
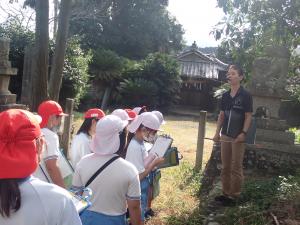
161	73
163	70
138	91
219	91
75	72
297	134
248	214
258	198
106	65
131	28
250	25
294	76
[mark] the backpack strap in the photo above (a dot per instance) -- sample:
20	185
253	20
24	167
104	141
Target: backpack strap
101	169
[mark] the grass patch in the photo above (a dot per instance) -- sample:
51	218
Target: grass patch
261	199
178	203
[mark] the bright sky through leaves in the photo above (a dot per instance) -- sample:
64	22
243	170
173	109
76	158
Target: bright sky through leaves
198	18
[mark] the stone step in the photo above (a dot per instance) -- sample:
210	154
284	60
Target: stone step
290	149
12	106
7	99
271	124
275	136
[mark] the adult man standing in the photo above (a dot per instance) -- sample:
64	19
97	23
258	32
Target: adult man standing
51	113
234	120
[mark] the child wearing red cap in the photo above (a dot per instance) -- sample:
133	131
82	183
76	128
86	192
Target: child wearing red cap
25	199
51	113
81	142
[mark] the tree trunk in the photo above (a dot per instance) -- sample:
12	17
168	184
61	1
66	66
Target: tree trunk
105	97
42	53
60	49
27	79
56	4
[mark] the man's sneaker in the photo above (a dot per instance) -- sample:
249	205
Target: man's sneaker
221	198
225	201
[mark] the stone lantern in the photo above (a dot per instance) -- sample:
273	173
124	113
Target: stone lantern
7	99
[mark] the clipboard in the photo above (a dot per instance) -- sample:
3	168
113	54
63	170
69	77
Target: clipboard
161	145
67	172
80	203
65	167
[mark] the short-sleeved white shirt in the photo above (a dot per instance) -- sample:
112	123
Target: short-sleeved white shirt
51	150
112	187
136	154
80	147
43	204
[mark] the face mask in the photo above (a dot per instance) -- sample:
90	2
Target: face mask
55	129
149	137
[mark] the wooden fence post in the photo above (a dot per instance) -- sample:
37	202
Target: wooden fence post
200	142
66	136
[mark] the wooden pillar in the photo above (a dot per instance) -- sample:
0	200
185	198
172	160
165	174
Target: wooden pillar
200	142
66	136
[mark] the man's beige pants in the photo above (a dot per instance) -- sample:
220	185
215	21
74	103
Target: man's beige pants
232	155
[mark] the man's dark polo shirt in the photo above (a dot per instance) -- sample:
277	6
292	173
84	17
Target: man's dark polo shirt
234	110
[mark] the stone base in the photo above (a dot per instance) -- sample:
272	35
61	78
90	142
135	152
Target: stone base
12	106
275	136
7	99
271	124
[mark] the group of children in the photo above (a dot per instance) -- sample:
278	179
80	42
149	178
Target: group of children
108	154
122	133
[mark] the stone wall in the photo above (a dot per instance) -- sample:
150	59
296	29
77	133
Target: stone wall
266	159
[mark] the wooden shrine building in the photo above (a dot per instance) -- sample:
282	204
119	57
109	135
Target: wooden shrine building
201	74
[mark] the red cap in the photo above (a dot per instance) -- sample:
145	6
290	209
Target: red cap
94	113
48	108
18	132
131	113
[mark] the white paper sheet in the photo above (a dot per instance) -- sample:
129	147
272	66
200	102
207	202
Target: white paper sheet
161	145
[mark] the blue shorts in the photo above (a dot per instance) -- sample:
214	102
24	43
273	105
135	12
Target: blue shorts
144	195
94	218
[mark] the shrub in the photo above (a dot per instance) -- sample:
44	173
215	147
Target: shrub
75	72
161	71
138	91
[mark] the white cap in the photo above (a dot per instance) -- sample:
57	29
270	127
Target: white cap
122	114
160	117
137	110
38	118
147	119
106	140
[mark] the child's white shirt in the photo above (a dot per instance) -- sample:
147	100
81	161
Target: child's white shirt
81	146
43	204
136	154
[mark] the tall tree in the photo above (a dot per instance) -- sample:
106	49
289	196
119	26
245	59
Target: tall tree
60	49
55	20
132	28
40	88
